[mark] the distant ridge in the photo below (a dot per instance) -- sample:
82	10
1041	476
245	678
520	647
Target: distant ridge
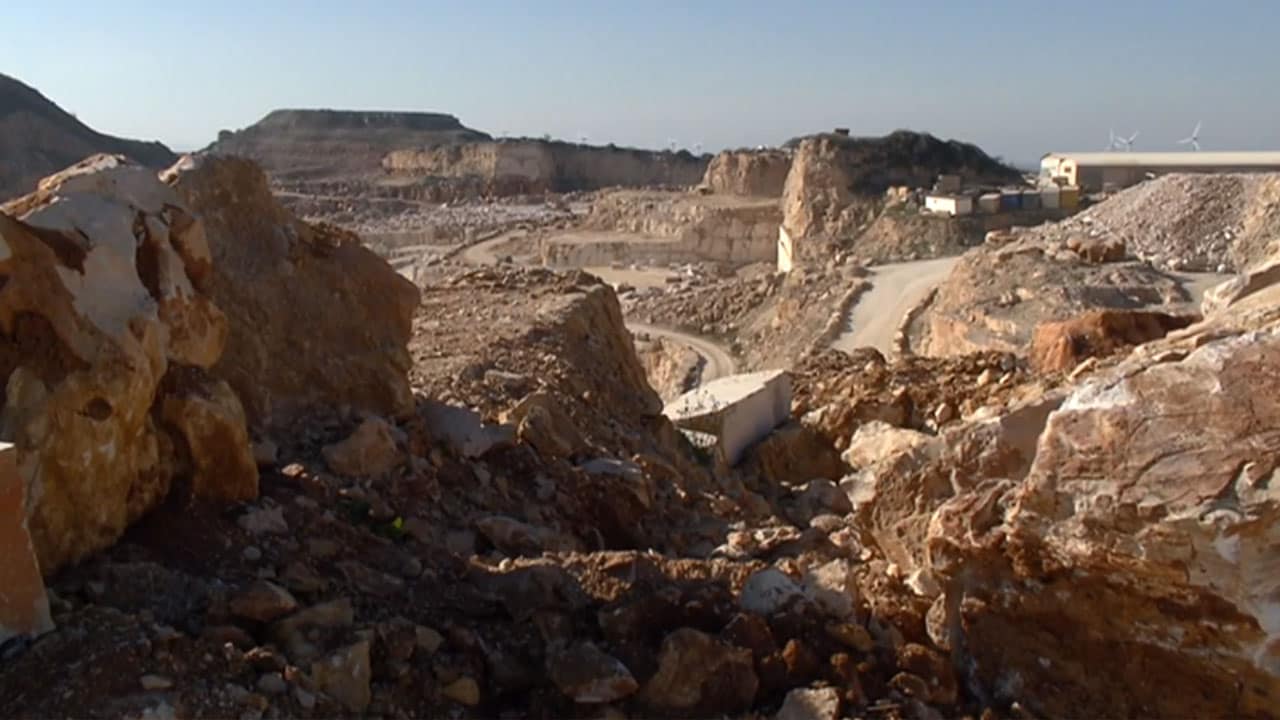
309	144
38	138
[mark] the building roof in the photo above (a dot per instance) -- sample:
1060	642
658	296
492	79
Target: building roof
1171	159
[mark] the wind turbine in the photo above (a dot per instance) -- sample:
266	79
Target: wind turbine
1111	140
1127	143
671	143
697	148
1193	140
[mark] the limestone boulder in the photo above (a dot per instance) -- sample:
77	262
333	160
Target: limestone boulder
314	318
1132	569
104	319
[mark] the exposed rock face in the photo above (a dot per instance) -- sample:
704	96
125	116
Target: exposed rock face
836	184
511	167
108	335
38	138
315	318
661	226
756	173
995	296
1058	346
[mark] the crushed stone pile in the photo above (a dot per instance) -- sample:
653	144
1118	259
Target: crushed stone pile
1212	222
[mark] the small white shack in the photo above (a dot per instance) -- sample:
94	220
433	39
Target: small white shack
738	410
949	204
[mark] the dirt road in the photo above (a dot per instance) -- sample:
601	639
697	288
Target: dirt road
895	287
719	362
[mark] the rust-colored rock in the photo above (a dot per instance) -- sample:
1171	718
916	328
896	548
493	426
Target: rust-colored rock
102	310
24	606
1058	346
316	320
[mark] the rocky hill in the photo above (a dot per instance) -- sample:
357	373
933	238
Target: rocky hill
329	144
836	185
38	138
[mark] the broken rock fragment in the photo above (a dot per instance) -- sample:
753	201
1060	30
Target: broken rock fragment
368	452
701	675
587	674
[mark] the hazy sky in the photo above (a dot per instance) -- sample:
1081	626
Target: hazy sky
1019	78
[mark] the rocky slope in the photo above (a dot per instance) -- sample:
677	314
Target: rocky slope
1206	222
836	185
38	138
335	144
997	294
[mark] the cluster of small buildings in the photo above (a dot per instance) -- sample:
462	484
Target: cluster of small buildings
947	198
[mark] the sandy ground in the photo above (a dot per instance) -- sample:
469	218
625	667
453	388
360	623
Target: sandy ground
895	287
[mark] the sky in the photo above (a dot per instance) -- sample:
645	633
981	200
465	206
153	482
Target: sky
1018	78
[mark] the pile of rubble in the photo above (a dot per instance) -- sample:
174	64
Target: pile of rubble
1210	222
836	393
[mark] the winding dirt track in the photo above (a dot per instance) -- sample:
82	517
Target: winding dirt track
895	288
719	362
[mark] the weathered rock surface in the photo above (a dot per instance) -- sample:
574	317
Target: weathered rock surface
1146	521
316	320
1058	346
108	335
754	173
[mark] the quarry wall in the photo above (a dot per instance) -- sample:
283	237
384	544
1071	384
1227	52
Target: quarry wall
542	165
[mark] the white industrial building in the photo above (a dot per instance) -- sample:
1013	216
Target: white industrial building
949	204
1093	171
